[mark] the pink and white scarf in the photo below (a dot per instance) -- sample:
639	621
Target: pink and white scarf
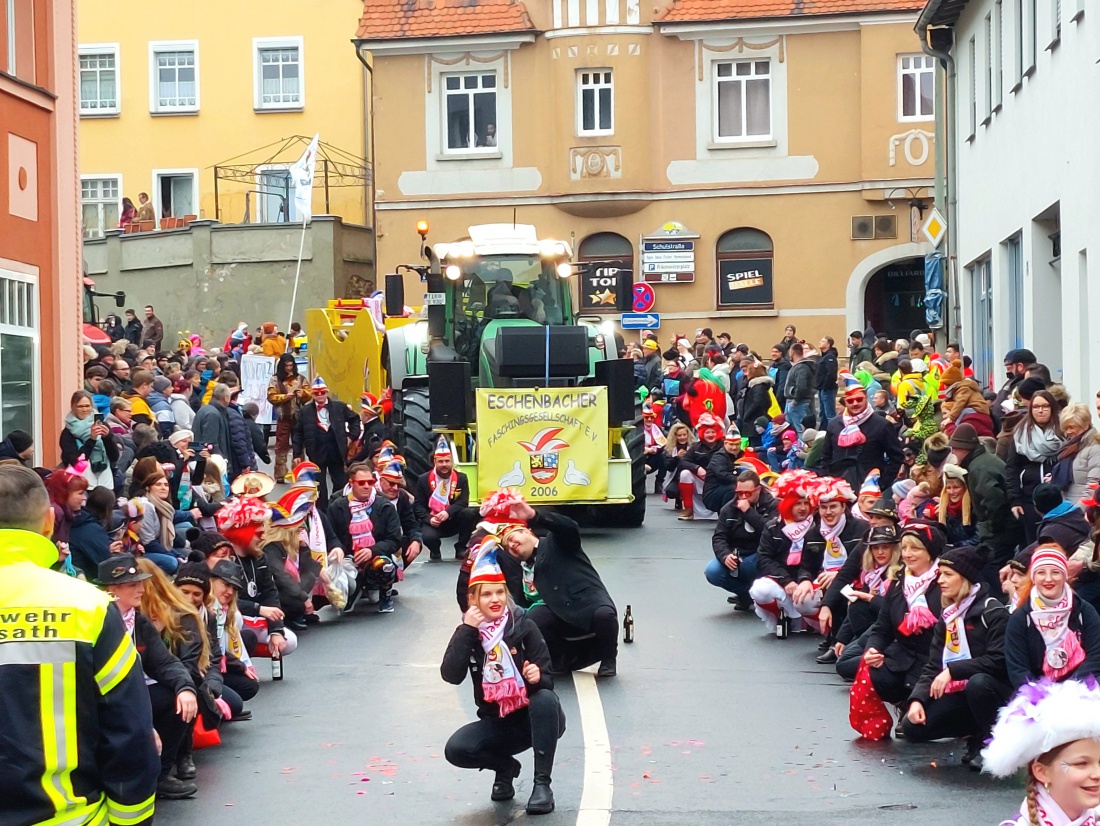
1063	646
361	528
796	532
1050	813
835	552
851	435
875	580
501	682
919	616
955	645
440	499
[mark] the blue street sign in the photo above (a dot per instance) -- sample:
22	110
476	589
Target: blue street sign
668	246
640	321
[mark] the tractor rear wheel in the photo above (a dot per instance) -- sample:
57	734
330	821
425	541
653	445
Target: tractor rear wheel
415	436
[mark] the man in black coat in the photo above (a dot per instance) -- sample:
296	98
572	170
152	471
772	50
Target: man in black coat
391	485
374	552
858	442
722	471
825	381
443	498
324	428
737	537
569	602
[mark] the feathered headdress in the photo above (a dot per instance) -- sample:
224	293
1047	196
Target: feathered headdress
1041	717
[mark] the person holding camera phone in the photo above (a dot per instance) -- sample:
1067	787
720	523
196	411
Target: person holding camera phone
87	437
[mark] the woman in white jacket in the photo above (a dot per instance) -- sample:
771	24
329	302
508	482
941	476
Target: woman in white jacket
180	402
1078	466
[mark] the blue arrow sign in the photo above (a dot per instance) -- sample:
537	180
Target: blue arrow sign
640	321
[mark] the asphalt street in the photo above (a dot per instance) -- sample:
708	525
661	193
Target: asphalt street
710	721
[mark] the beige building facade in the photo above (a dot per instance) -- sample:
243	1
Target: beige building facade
757	171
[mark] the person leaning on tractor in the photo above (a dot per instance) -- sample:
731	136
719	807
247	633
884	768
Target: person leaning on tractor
443	493
78	743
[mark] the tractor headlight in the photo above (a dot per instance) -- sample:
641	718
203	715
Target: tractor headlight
564	269
453	272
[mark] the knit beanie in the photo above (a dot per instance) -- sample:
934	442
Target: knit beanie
1029	387
194	573
162	384
967	560
20	440
930	534
207	542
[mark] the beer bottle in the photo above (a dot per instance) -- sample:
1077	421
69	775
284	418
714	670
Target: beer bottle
276	665
628	626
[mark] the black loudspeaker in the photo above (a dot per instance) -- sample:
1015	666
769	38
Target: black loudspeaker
395	295
624	291
522	352
618	376
450	394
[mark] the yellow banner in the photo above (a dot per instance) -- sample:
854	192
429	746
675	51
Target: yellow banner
550	443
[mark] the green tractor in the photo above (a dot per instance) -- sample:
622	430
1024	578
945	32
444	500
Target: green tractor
530	396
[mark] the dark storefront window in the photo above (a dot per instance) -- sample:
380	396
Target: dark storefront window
743	262
894	299
610	253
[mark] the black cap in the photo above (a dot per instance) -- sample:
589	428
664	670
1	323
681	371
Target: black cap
229	572
1046	498
967	560
119	569
1021	356
882	535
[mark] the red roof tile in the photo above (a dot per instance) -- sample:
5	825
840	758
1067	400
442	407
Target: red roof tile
388	19
683	11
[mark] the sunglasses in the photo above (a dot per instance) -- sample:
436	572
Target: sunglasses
362	483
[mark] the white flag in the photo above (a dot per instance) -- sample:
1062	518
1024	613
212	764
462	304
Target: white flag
302	176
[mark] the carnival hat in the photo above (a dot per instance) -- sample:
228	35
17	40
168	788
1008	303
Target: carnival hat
832	489
849	384
442	447
119	569
318	386
393	470
882	535
293	507
253	483
497	507
1041	717
485	567
305	473
872	484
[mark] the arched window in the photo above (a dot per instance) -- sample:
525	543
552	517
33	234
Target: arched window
609	253
743	262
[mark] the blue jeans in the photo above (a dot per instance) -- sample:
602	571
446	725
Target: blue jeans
826	403
796	412
166	562
736	582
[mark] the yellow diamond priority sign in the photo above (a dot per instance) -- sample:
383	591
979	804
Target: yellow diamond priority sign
934	228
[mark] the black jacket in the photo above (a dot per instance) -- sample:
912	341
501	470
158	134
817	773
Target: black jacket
259	441
385	525
782	368
827	366
411	517
813	554
986	621
1070	530
1025	650
849	574
699	456
903	653
564	576
990	510
133	331
157	661
71	452
259	590
459	494
722	469
293	593
739	532
209	682
756	401
373	433
240	438
881	449
799	386
343	426
464	655
771	559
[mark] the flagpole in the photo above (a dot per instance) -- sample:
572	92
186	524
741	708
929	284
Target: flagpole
297	275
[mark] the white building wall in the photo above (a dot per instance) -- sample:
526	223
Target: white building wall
1040	151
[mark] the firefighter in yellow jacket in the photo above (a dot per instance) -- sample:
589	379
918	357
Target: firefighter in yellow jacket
76	729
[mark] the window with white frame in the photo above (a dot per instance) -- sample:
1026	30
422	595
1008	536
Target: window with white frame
19	390
99	80
1032	42
973	64
999	54
1018	28
742	101
174	81
1055	22
989	47
470	112
100	205
916	84
594	102
278	74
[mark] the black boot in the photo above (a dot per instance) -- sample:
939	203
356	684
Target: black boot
542	796
607	668
502	786
172	788
185	767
